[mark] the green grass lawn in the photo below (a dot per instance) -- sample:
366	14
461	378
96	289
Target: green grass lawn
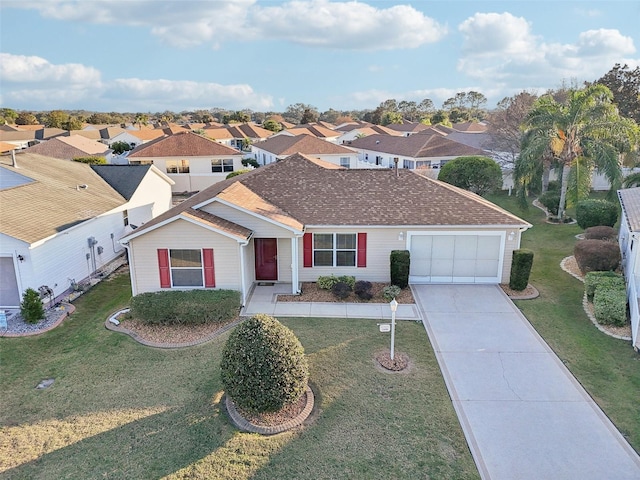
608	368
121	410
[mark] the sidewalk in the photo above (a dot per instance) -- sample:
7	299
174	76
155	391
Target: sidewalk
263	299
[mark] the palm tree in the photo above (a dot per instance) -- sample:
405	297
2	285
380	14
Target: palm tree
586	126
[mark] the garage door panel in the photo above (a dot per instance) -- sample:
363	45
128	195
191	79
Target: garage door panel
460	258
9	293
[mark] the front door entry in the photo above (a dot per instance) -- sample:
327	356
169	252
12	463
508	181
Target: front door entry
266	258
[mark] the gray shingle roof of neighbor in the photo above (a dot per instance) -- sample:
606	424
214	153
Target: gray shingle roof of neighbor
419	145
125	179
312	192
62	194
630	202
306	144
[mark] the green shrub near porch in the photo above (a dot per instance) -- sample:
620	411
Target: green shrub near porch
188	307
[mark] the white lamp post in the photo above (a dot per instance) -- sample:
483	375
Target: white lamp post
394	306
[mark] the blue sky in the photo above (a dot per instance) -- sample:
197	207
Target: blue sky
156	55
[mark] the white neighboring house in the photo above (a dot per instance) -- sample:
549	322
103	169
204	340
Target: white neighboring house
429	149
629	241
192	161
279	147
61	220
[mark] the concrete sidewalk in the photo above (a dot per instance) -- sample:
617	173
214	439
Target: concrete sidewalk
263	299
524	415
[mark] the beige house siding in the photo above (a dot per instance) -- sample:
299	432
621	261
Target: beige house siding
260	227
284	260
185	235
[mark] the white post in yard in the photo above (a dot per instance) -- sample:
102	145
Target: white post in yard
394	307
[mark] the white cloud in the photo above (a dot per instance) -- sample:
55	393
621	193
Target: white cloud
348	25
31	69
500	49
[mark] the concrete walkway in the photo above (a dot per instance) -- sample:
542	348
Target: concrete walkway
524	415
263	300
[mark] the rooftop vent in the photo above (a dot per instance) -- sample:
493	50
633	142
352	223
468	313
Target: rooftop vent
84	186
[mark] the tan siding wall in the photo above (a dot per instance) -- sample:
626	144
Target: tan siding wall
260	227
183	234
284	260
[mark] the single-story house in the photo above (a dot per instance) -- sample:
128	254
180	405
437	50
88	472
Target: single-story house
297	219
192	161
74	146
236	135
429	149
629	241
318	131
60	221
279	147
364	131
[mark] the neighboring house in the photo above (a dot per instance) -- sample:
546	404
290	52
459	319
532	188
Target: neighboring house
347	137
61	221
68	148
297	219
238	135
192	161
629	240
425	150
319	131
408	128
7	147
19	138
281	146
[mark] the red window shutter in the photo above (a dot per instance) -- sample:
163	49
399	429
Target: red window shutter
163	267
209	269
362	249
307	249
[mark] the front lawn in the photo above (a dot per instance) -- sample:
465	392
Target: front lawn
609	369
121	410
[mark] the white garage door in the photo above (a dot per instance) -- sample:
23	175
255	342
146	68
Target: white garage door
9	294
456	258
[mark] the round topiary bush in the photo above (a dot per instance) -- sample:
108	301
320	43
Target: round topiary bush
263	366
596	255
601	232
341	290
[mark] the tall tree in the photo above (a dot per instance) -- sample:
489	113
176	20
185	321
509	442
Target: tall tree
587	126
9	115
26	118
624	83
56	119
308	116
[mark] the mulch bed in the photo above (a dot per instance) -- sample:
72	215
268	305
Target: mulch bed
312	293
275	418
170	334
400	361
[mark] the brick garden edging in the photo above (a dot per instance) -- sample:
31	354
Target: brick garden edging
117	328
245	425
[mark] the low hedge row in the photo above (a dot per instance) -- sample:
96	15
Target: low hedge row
593	279
188	307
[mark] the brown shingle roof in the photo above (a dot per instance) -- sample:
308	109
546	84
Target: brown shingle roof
421	145
146	134
306	144
307	193
184	144
315	130
53	202
218	223
69	147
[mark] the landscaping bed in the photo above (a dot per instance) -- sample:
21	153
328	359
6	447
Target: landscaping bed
311	292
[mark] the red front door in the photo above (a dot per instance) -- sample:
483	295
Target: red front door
266	258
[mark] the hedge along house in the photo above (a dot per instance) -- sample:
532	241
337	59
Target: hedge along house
300	218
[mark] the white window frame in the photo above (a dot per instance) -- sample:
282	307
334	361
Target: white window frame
335	250
172	268
224	165
345	162
181	166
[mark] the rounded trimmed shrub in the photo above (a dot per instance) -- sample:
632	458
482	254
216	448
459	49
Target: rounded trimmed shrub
390	292
596	255
551	201
263	366
362	289
601	232
476	173
341	290
593	279
593	212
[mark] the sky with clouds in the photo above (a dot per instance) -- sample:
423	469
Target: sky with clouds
156	55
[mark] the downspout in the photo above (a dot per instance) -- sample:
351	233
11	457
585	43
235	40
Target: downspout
243	277
132	272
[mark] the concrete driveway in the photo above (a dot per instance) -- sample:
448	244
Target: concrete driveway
524	415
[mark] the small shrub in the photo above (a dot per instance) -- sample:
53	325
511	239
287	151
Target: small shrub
521	263
250	162
263	366
593	279
341	290
551	201
191	307
327	282
91	160
362	289
31	308
237	172
553	186
390	292
592	213
348	279
596	255
601	232
610	302
400	263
